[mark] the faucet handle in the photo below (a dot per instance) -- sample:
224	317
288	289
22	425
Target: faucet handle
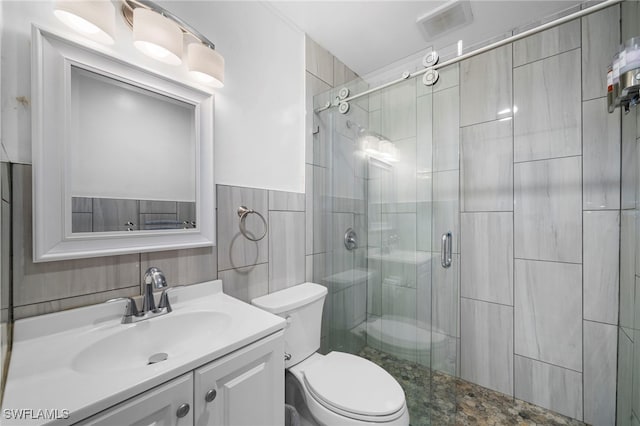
164	297
131	309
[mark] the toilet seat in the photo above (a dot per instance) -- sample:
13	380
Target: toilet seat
343	383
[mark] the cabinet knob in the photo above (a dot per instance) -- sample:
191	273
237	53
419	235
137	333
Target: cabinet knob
183	410
210	395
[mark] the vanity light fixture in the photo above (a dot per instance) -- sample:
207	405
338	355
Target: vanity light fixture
156	33
95	19
157	36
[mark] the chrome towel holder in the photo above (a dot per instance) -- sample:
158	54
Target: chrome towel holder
243	212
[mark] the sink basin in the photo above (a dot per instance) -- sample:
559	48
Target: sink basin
174	334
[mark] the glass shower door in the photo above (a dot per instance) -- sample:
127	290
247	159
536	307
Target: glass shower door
391	177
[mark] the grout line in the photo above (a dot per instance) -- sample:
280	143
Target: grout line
486	301
547	57
548	159
547	261
547	363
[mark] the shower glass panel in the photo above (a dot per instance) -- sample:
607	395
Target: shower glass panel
388	170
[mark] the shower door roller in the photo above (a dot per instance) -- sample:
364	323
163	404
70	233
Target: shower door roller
445	250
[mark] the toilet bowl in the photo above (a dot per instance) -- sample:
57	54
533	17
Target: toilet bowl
337	388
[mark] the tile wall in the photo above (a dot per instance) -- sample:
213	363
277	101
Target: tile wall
540	214
335	200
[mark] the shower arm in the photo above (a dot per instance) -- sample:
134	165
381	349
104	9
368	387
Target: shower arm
479	51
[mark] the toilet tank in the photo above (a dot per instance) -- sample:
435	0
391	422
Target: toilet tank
301	306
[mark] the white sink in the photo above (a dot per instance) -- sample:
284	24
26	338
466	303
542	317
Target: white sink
174	334
85	360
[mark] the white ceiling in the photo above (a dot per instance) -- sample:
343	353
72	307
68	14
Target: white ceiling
367	35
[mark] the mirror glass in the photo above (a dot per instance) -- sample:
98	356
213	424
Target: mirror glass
142	144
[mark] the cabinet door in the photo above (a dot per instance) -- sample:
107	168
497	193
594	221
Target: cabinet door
157	407
243	388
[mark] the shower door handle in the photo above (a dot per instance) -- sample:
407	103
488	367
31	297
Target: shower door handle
445	250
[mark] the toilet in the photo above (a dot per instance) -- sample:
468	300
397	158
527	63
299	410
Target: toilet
337	388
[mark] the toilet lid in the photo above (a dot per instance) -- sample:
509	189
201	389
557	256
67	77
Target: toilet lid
355	385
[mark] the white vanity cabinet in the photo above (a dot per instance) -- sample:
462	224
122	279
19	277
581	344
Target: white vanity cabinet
170	404
243	388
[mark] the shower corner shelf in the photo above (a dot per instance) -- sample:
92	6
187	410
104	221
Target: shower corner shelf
628	92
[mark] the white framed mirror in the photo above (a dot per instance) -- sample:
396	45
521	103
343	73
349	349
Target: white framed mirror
122	156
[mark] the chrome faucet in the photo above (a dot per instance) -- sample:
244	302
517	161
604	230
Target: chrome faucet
153	279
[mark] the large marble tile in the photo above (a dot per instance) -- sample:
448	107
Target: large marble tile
629	182
246	283
404	175
487	257
600	39
398	112
341	259
446	129
308	209
424	211
182	267
547	123
81	222
445	295
547	43
445	355
625	379
111	215
600	156
286	201
321	206
57	305
548	312
601	265
316	143
600	357
548	386
5	171
424	136
486	173
627	267
349	314
235	250
445	209
548	209
343	174
5	255
319	61
341	73
47	281
149	206
486	86
487	344
635	401
449	76
286	250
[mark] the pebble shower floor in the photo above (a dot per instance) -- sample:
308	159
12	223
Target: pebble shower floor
458	402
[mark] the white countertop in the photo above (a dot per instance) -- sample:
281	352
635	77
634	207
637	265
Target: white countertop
44	374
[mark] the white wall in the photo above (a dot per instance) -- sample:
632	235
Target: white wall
259	128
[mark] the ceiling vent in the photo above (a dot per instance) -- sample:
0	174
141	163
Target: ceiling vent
444	19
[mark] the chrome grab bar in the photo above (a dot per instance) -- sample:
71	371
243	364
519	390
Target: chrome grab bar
445	250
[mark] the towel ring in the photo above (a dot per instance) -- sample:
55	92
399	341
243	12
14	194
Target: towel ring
243	212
